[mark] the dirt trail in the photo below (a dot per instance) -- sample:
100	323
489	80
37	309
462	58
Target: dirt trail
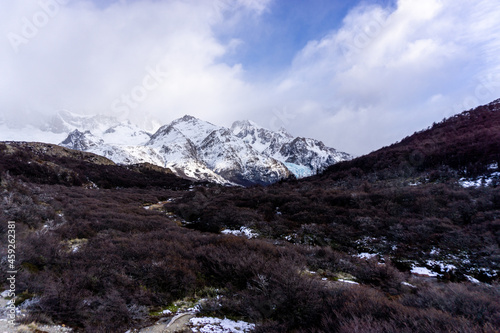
179	323
157	206
176	325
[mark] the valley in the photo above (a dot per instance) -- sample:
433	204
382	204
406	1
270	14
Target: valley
404	239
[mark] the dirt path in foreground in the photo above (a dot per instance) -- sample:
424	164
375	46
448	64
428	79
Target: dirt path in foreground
178	324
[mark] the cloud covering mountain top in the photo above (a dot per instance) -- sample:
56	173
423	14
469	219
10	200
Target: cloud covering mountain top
357	75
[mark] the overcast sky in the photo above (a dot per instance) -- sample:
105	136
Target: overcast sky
357	75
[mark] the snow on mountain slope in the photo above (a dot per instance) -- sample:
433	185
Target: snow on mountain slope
201	149
122	154
260	138
125	143
129	154
173	143
126	134
180	154
237	161
193	128
82	141
303	157
310	153
136	154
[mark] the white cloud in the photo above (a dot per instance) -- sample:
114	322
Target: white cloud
86	58
383	74
390	71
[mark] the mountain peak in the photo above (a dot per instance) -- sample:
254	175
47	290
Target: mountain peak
244	123
241	127
81	140
285	132
244	154
195	129
188	118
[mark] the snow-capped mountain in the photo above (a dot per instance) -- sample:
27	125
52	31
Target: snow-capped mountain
237	161
246	154
303	157
180	154
310	153
263	140
125	133
203	150
85	141
118	153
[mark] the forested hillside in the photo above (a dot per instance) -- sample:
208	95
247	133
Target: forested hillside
465	144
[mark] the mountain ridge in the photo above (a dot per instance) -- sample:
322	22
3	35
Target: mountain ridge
457	143
245	154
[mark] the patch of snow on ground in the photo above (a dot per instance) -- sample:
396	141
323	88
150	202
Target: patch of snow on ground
435	251
481	181
423	271
488	272
209	324
471	279
366	255
444	267
469	183
347	281
243	231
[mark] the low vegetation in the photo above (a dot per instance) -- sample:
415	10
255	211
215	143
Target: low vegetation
334	252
